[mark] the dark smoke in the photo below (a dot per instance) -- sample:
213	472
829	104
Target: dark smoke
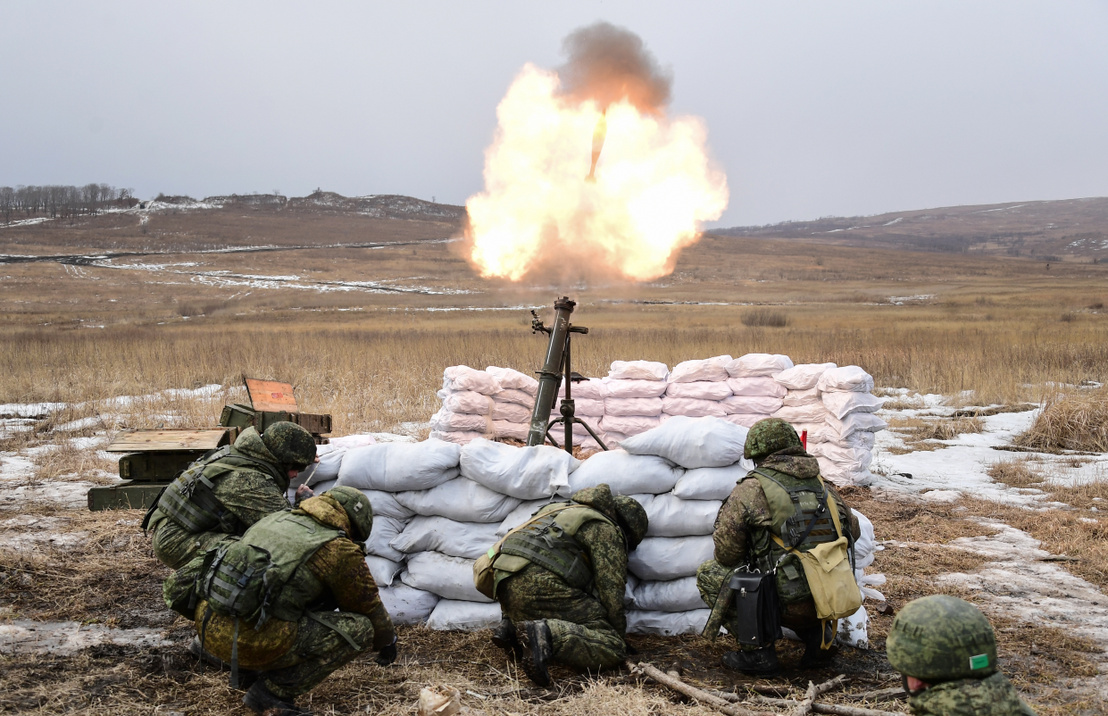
609	64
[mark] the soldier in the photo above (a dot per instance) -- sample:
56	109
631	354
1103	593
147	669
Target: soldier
562	576
229	490
781	503
945	649
266	602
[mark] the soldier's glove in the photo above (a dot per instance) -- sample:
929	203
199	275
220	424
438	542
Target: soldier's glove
387	654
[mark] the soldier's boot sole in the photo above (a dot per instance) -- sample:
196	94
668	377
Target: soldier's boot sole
537	649
504	636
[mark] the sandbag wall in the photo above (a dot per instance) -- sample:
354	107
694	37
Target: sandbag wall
439	505
833	405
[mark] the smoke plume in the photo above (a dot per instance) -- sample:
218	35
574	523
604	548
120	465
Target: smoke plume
608	64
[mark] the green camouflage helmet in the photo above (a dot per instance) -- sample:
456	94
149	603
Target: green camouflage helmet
291	444
767	437
632	519
940	638
357	508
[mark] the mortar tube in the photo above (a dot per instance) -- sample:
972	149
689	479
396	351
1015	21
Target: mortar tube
550	375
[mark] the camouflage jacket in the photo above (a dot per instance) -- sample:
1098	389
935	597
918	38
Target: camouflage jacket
742	529
991	696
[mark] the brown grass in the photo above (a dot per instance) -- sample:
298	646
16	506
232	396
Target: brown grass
1071	421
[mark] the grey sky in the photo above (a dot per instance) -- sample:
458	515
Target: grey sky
812	109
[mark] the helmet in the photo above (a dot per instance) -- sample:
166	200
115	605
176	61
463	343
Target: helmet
632	519
291	444
767	437
357	508
939	638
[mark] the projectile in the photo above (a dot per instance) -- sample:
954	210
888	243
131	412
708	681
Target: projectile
598	135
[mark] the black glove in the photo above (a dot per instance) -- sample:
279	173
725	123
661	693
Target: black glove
386	655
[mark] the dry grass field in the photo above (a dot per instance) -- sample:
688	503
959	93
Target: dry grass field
362	315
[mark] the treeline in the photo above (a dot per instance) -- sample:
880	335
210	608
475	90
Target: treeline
54	201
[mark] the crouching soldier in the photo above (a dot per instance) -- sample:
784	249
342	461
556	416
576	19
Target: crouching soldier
227	491
561	578
266	602
781	508
945	649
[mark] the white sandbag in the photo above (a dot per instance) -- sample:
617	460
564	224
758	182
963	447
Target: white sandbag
446	420
384	530
635	388
449	577
819	432
847	378
676	595
431	533
711	483
326	467
519	515
629	424
763	385
527	473
867	582
613	439
714	369
855	422
458	437
757	404
850	459
384	504
460	499
667	623
744	420
841	404
811	413
588	407
461	377
466	401
406	605
505	429
691	442
692	408
510	379
663	558
617	407
384	571
319	487
671	516
511	412
626	474
858	439
801	397
346	442
804	376
638	370
395	467
454	615
854	629
842	477
519	397
699	390
758	364
591	389
865	547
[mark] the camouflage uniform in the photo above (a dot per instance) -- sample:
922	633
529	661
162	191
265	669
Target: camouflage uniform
742	532
587	625
948	644
246	492
293	656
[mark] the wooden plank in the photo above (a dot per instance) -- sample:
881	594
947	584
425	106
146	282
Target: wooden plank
270	395
170	440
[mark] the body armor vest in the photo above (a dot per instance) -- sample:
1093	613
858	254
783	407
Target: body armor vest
251	578
549	542
190	499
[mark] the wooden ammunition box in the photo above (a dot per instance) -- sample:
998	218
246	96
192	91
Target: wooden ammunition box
127	495
159	455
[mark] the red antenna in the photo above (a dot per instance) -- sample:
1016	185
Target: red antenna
804	439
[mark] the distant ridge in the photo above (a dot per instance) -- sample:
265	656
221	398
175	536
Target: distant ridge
383	206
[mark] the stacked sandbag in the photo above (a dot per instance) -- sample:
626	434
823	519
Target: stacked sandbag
755	395
846	394
321	475
588	404
513	403
698	389
467	410
802	406
633	403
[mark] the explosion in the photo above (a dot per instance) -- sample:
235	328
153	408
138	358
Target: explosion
547	209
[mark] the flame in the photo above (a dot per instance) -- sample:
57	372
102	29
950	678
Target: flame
652	191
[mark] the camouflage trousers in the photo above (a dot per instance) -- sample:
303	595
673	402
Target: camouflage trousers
582	637
800	616
175	547
991	696
292	658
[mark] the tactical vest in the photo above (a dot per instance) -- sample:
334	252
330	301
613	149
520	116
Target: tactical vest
251	578
549	541
801	519
190	499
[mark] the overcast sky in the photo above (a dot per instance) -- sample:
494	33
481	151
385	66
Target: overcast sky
812	108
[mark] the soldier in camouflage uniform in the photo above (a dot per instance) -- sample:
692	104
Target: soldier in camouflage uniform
228	491
315	563
561	577
743	536
945	649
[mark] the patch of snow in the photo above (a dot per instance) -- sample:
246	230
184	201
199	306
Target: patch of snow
23	636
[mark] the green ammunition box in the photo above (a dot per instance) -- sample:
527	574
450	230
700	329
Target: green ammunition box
127	495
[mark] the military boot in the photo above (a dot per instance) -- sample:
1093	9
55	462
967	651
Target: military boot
246	677
266	703
814	657
755	662
537	646
504	636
